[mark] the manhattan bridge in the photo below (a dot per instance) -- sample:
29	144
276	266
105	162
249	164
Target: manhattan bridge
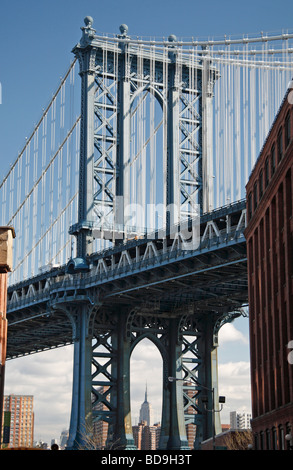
128	203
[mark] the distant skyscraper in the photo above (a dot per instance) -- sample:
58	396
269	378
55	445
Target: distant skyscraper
21	423
64	438
240	420
146	411
146	437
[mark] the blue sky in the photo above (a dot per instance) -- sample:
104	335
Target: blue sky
36	39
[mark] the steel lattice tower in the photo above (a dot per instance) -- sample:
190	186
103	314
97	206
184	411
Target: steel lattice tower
112	76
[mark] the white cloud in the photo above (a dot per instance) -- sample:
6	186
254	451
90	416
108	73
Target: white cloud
234	384
228	333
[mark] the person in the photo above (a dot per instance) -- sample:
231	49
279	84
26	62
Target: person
54	447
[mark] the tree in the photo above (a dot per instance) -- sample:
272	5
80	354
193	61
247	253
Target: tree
239	440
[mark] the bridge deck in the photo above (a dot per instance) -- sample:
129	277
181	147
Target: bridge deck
156	276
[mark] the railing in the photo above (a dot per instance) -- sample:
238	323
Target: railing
171	254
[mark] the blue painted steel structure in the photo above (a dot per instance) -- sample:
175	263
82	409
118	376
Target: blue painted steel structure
155	286
150	288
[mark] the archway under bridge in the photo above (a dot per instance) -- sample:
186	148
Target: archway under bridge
188	352
146	378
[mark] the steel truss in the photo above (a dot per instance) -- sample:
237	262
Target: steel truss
108	297
117	79
187	344
144	289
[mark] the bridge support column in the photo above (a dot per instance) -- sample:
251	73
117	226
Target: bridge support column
122	432
190	359
86	52
207	194
81	410
173	431
173	169
207	381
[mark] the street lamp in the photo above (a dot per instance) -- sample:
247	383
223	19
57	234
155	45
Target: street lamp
222	400
204	400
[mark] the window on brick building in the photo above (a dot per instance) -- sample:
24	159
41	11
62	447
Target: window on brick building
273	160
281	438
275	440
288	430
280	145
287	130
267	173
249	206
260	184
261	440
268	440
255	195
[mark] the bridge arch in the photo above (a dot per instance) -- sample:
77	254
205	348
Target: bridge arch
145	166
153	339
146	374
152	90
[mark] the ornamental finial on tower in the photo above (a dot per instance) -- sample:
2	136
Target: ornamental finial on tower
172	38
88	33
123	30
88	21
172	51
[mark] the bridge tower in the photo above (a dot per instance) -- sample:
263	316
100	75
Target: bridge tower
116	77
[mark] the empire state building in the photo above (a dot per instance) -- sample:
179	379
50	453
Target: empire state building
146	411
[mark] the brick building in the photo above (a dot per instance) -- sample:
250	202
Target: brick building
269	236
21	414
146	437
6	236
100	428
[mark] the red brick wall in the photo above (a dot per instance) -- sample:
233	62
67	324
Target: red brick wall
6	235
269	237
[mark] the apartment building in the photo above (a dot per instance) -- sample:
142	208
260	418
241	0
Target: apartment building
18	412
240	420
